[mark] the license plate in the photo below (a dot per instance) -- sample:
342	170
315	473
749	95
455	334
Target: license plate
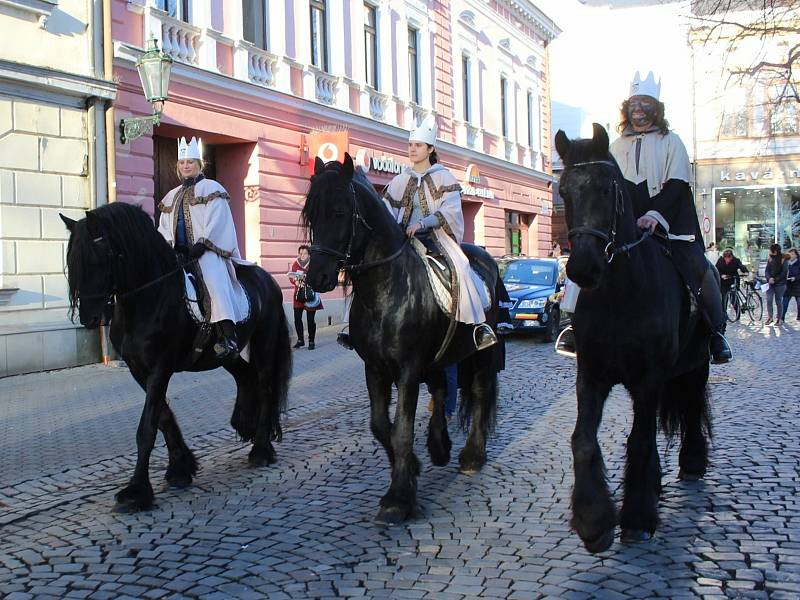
530	323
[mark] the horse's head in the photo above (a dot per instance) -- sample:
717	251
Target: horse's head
89	270
328	216
591	188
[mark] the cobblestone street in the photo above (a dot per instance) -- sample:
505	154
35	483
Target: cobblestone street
303	528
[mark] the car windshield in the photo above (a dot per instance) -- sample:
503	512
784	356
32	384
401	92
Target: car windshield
529	273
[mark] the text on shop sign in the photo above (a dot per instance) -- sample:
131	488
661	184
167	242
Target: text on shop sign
726	175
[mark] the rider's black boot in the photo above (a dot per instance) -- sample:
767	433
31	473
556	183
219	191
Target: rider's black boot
226	346
343	339
720	349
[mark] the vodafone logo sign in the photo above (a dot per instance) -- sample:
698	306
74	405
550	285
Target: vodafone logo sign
363	160
328	152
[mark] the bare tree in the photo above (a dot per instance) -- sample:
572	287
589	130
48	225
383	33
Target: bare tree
770	32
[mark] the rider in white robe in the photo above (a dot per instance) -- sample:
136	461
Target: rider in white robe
197	221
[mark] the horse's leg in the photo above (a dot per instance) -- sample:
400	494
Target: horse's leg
639	515
379	387
401	499
263	452
480	404
685	405
439	444
138	494
593	513
182	465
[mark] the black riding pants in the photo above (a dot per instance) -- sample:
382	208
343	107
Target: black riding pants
696	272
298	323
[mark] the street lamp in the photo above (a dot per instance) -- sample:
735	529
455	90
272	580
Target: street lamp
154	69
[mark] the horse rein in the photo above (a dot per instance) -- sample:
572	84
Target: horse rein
610	237
344	257
112	296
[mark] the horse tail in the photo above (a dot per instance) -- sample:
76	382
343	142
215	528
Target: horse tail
271	360
280	370
685	411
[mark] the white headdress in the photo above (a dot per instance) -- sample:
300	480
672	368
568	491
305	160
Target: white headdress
425	132
648	87
190	150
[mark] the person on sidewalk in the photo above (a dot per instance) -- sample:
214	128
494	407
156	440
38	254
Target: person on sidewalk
297	276
656	168
792	283
776	272
197	221
729	267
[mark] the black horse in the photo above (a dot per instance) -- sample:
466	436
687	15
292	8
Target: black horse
635	324
397	327
116	257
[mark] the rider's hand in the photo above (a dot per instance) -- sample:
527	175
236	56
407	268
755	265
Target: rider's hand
772	281
197	250
413	228
647	222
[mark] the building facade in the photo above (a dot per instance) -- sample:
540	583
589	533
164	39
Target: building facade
748	142
53	99
269	85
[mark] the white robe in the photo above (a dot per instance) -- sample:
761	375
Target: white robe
209	221
436	192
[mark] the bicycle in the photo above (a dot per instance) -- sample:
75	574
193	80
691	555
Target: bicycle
737	301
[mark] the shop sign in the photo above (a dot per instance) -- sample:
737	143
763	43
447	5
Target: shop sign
327	146
754	175
472	179
379	164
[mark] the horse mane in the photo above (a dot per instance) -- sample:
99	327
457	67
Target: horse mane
130	234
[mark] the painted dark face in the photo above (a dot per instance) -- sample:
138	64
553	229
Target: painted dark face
641	112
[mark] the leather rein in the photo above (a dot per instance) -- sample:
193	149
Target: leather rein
346	256
609	236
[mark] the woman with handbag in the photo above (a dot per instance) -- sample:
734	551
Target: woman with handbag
305	299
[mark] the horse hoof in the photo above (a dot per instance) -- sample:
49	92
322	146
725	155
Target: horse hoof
684	476
131	506
179	482
635	536
600	544
469	471
261	458
392	515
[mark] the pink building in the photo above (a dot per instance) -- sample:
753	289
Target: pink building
268	84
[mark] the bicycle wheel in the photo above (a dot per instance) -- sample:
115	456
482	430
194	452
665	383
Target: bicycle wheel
755	307
731	305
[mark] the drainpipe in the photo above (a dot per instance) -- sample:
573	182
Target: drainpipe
110	129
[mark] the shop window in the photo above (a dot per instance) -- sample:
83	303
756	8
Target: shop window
319	34
254	22
371	45
413	64
514	225
745	221
466	86
789	216
178	9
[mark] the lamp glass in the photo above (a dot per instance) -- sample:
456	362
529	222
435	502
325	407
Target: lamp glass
154	70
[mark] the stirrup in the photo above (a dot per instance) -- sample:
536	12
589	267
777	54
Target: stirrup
565	343
225	348
725	353
486	335
343	339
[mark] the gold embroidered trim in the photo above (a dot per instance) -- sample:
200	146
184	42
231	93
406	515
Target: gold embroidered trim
187	215
214	248
423	198
392	202
446	189
407	203
206	199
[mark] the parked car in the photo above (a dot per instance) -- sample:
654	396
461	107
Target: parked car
535	285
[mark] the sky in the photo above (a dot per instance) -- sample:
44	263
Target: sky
593	60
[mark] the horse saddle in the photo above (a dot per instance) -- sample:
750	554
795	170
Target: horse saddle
441	276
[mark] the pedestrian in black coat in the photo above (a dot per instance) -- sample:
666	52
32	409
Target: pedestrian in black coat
792	283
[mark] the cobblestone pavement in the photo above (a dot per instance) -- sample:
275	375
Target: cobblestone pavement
303	527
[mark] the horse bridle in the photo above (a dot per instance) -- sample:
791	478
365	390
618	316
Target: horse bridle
112	296
344	257
610	236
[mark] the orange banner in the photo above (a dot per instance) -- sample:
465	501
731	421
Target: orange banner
327	145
